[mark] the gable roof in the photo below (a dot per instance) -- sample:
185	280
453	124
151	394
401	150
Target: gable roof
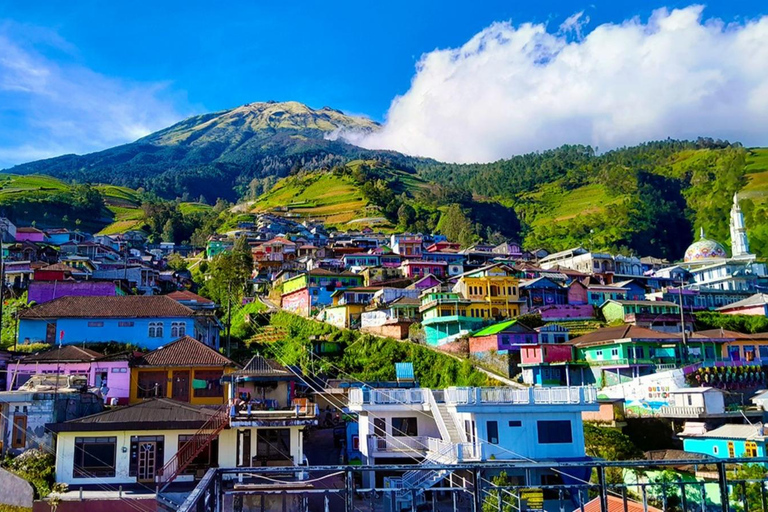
129	306
65	354
509	325
185	351
259	366
158	413
620	332
734	431
758	299
726	334
60	267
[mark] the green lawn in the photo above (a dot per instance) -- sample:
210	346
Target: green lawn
189	208
557	205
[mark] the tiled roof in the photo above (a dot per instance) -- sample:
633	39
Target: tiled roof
59	267
259	365
158	413
187	295
615	504
620	332
185	351
65	354
131	306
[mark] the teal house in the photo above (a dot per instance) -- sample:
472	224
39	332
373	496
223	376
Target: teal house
728	442
655	314
446	316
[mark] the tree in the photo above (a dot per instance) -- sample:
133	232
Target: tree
456	226
169	231
609	444
176	262
750	492
500	500
405	215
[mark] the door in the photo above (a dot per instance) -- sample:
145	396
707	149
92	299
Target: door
147	461
731	450
380	432
50	332
180	390
244	448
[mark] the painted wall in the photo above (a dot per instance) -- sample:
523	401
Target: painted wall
134	383
719	447
76	330
118	375
296	302
44	291
227	452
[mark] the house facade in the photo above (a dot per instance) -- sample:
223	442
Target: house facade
148	322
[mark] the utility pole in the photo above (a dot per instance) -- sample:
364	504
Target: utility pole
3	227
229	318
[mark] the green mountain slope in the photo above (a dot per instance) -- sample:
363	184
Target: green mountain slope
217	155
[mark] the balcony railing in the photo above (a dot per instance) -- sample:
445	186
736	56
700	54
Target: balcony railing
681	411
384	445
475	396
299	409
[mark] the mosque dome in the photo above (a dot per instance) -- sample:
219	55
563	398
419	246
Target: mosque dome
704	249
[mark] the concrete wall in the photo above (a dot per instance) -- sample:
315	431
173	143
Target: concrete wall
399	331
15	490
118	375
44	291
76	330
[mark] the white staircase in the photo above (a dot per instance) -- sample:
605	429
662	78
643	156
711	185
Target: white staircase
446	424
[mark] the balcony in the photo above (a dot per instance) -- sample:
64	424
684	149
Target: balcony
260	413
679	411
475	396
393	446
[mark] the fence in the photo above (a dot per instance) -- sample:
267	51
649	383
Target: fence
569	486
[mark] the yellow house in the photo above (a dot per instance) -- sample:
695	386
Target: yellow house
185	370
493	292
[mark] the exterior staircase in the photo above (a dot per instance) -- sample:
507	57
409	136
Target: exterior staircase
449	431
192	448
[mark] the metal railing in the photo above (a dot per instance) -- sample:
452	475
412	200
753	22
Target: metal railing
681	411
192	448
474	396
472	487
396	444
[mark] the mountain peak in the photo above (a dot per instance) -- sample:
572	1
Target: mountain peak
258	118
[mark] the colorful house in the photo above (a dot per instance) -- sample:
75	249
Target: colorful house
185	370
306	293
146	321
493	291
756	305
597	294
414	269
30	234
547	364
348	305
406	245
110	374
728	442
543	291
503	336
656	314
738	347
360	260
448	315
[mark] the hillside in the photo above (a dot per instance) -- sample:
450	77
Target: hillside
217	155
285	157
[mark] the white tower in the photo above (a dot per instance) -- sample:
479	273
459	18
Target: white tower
739	240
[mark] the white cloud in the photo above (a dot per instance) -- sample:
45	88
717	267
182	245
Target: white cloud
514	89
52	106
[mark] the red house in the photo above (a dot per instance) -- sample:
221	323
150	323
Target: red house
419	268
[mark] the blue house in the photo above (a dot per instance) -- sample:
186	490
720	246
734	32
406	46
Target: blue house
728	442
360	259
146	321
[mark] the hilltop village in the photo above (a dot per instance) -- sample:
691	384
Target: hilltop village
121	373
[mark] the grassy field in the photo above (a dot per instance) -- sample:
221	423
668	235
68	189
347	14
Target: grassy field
554	204
189	208
757	176
335	198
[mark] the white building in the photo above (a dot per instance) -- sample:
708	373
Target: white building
593	262
471	425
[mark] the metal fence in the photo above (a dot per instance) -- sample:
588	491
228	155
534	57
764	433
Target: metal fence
705	485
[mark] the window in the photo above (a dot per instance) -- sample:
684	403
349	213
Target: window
715	450
19	434
119	370
614	352
207	384
404	427
178	329
273	444
95	324
94	457
152	384
155	329
125	324
554	432
750	449
492	430
690	399
515	423
731	450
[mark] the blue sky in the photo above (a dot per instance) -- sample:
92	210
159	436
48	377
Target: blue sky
119	69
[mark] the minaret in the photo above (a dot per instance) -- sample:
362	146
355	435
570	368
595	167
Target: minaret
739	240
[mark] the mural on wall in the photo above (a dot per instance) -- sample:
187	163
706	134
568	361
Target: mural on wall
645	396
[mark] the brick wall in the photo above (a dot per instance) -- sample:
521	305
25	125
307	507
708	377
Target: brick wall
398	331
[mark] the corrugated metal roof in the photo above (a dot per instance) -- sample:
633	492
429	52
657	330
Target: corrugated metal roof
733	431
404	372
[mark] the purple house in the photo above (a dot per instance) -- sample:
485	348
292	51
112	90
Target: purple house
426	282
110	373
44	291
29	234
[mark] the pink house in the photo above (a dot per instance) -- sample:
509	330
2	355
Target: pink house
108	373
29	234
545	353
419	268
577	293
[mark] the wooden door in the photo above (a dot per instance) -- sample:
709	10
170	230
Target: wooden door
180	389
50	332
147	461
